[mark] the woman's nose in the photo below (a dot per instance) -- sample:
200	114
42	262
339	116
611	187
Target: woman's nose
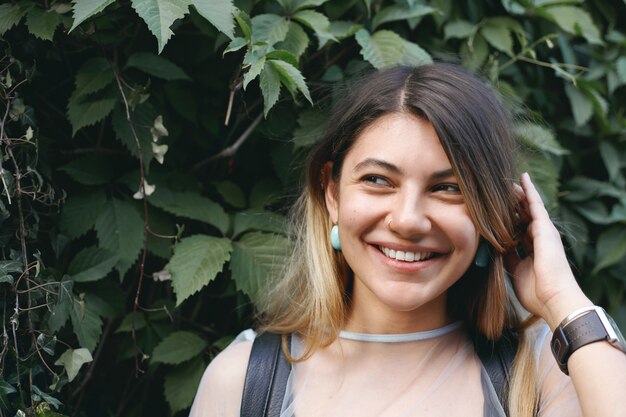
409	217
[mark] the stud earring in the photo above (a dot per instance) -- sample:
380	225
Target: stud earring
334	238
482	257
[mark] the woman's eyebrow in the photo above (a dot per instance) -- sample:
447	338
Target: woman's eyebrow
373	162
443	174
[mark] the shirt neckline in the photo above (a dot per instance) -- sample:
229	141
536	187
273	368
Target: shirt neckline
400	337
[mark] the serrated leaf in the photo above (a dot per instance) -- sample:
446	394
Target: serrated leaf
177	348
88	110
253	71
291	78
197	260
86	323
136	319
414	55
383	49
42	23
400	12
61	305
244	22
259	220
92	264
219	13
269	28
235	45
459	29
156	66
576	21
120	229
72	360
190	205
10	15
80	211
582	107
159	16
316	21
295	5
270	87
90	170
257	257
231	193
611	247
84	9
94	75
311	125
539	137
296	41
142	118
498	36
181	384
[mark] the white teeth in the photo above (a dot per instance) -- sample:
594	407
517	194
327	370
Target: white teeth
405	255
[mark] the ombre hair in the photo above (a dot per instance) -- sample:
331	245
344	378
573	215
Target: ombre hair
312	297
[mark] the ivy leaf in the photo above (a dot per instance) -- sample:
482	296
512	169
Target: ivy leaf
459	29
10	15
257	257
61	304
576	21
72	360
159	15
190	205
90	170
94	75
270	87
611	247
86	323
80	212
401	12
87	110
296	41
84	9
291	78
582	107
9	267
539	137
383	49
156	66
42	23
177	348
181	384
259	220
197	260
219	13
92	264
269	28
120	229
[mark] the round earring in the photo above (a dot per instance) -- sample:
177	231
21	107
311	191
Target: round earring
334	237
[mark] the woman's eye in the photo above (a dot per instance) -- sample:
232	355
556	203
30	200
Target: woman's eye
375	179
452	188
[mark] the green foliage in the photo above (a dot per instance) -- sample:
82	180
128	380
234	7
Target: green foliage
144	185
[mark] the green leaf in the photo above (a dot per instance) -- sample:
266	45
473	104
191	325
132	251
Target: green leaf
259	220
400	12
10	15
539	137
159	15
270	87
94	75
106	299
582	107
253	71
42	23
120	229
160	241
92	264
383	49
269	28
87	110
231	193
142	119
87	324
576	21
90	170
499	36
61	304
156	66
311	125
295	5
257	257
296	41
84	9
181	384
414	55
291	77
126	326
47	343
80	212
9	267
611	247
244	22
474	53
219	13
72	360
197	260
459	29
190	205
316	21
177	348
611	158
235	45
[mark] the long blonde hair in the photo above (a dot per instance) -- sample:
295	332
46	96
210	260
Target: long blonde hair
312	297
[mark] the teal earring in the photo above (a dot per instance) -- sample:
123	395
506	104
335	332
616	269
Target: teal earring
334	237
481	259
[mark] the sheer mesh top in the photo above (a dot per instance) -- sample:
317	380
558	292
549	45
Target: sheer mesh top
430	374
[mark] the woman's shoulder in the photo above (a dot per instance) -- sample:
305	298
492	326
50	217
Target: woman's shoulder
230	365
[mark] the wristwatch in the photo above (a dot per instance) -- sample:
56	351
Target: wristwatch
584	326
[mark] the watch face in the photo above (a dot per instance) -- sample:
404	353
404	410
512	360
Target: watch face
617	339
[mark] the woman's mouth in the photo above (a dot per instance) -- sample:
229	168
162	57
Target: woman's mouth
406	256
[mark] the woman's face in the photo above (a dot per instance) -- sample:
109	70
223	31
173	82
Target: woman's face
404	227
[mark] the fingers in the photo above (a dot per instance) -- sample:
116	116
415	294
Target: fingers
535	206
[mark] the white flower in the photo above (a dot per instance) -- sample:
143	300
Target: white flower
149	190
163	275
29	133
158	129
159	151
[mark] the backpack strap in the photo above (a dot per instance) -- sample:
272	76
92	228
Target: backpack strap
497	359
266	377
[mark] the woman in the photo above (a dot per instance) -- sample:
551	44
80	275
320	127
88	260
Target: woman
413	181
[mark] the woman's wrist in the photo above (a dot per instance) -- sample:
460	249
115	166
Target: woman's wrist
563	304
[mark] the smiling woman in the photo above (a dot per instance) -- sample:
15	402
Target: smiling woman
418	189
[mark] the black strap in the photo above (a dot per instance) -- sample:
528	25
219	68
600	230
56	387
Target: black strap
268	371
266	377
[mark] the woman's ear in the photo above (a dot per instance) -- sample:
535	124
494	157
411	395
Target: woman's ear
330	192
